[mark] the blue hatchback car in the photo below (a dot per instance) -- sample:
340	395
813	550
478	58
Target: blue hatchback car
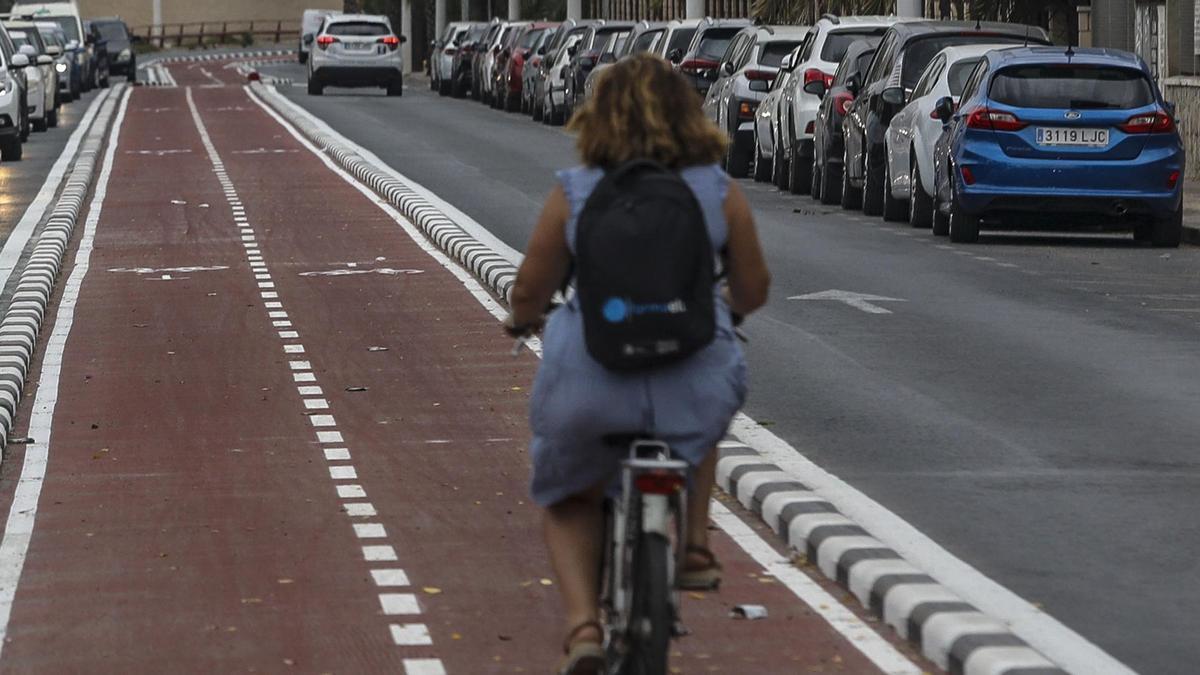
1044	133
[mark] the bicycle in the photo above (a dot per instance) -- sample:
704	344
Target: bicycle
638	599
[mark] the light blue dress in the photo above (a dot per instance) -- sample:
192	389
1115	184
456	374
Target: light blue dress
576	402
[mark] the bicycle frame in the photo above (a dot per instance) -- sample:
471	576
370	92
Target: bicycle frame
653	500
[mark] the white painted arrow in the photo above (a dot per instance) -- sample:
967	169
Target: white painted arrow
856	300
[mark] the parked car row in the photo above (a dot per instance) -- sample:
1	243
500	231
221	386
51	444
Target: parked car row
955	126
49	56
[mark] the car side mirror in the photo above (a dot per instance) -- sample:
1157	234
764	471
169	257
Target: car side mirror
541	51
20	61
136	39
816	88
571	50
854	84
45	60
28	50
308	38
727	67
73	45
54	50
403	38
675	55
608	57
893	96
944	109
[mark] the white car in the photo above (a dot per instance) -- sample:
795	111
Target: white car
824	47
28	41
310	23
555	102
915	129
14	115
56	46
356	50
66	14
441	65
488	63
766	124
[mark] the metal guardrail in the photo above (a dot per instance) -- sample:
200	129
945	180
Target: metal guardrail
198	33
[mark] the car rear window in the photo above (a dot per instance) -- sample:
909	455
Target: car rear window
773	52
837	42
860	65
358	29
1074	87
714	42
680	39
922	50
960	71
112	30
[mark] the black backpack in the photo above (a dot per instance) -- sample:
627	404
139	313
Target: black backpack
644	269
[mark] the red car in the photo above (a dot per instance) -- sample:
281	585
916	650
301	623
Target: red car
513	57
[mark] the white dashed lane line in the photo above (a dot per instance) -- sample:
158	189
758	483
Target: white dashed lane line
341	470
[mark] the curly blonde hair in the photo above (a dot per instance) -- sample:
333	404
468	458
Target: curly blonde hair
642	109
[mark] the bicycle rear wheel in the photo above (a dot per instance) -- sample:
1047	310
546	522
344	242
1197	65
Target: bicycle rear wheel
651	617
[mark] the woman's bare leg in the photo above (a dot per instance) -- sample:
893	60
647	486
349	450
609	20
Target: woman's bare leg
703	479
574	531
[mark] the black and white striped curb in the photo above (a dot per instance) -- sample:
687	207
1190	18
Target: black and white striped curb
27	309
157	75
495	271
948	631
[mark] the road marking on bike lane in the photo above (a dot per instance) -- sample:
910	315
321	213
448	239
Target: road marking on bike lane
856	631
372	535
23	511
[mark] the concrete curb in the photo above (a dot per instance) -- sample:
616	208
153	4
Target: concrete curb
35	284
946	629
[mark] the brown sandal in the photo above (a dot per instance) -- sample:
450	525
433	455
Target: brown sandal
706	578
583	657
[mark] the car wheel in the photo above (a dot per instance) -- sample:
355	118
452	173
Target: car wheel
814	189
799	180
872	198
52	118
779	168
894	210
104	82
315	88
762	170
851	196
831	186
964	227
535	110
131	78
737	159
920	204
11	149
443	88
1168	231
396	88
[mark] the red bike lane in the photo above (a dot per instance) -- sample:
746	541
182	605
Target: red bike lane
286	436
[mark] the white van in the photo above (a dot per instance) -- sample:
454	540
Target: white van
66	15
309	25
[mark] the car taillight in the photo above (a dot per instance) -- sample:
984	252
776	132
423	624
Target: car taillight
450	51
1173	180
655	483
996	120
761	75
325	40
1157	122
390	40
746	110
697	65
814	75
842	103
968	177
810	127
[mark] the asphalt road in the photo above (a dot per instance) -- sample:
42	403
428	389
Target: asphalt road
21	181
1032	403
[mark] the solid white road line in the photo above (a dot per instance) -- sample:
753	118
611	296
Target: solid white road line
1062	645
23	511
19	238
867	640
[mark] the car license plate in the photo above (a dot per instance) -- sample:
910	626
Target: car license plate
360	46
1072	136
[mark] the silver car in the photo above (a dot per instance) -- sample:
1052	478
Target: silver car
441	61
356	50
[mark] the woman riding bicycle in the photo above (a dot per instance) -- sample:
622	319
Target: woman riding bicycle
641	109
